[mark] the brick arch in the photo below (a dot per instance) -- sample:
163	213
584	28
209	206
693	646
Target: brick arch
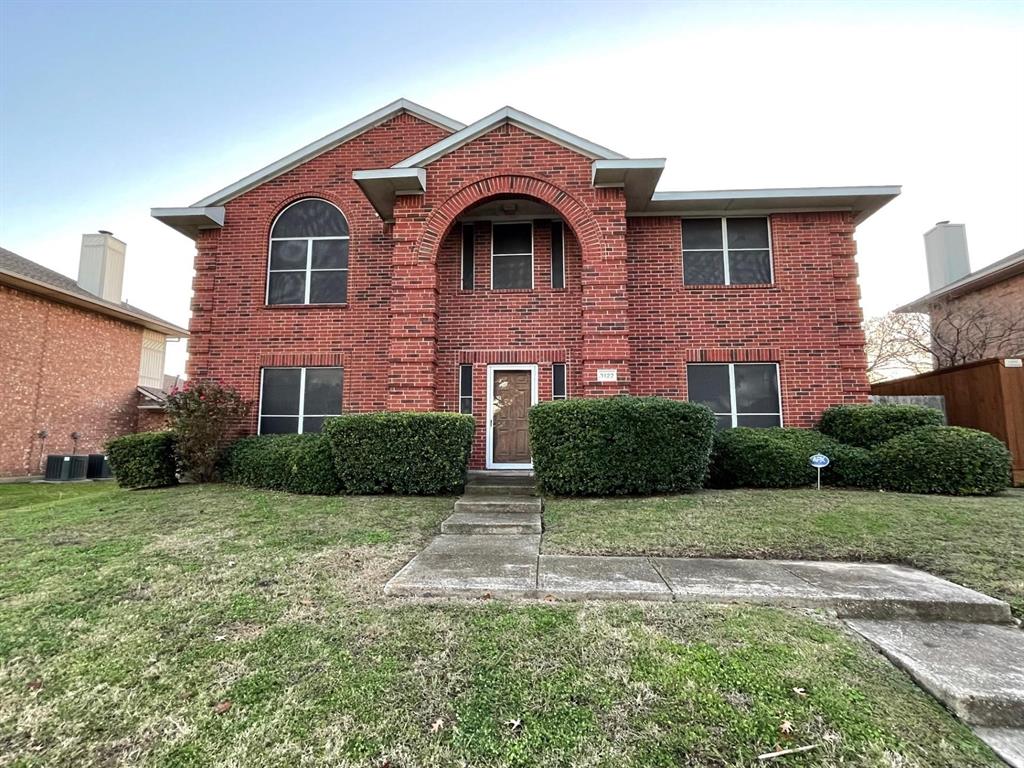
575	214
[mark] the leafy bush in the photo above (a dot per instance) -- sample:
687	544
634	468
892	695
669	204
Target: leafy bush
202	414
866	426
619	445
293	463
950	460
145	460
780	458
411	453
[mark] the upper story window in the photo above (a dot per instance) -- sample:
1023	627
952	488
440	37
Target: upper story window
512	255
308	255
726	251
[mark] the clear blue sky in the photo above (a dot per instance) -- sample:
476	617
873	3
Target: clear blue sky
111	108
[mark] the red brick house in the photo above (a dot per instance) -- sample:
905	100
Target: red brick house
410	262
74	358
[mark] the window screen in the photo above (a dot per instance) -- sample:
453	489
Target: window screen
466	389
558	382
308	255
512	256
740	394
298	400
726	251
468	261
557	255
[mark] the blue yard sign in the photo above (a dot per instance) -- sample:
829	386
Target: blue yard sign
819	461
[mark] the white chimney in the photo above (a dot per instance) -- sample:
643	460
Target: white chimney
945	248
101	265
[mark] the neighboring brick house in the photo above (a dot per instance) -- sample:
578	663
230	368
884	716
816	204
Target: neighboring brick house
74	358
409	262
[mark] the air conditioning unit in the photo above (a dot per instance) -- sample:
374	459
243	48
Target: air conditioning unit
99	468
66	468
79	467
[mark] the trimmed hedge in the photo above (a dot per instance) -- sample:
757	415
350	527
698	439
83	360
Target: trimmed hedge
779	457
143	460
620	445
867	426
409	453
293	463
950	460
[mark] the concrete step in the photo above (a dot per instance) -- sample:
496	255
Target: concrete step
1008	743
462	523
504	503
482	488
976	670
500	478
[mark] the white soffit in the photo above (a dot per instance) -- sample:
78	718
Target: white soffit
328	142
382	185
189	221
515	117
863	201
637	178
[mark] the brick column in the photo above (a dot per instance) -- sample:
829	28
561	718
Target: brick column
606	300
412	332
849	327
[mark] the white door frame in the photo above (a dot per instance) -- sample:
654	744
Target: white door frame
532	367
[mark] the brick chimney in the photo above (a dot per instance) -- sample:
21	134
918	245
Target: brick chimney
101	265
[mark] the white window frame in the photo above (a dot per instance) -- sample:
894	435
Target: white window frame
464	396
725	250
533	249
565	367
732	391
302	396
491	369
565	278
309	257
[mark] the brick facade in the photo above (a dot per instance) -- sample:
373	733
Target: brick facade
65	370
408	325
1003	300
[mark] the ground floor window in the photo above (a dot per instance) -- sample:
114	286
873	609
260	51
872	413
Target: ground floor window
740	394
559	389
298	400
466	389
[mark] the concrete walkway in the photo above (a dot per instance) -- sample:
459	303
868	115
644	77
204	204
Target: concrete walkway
959	645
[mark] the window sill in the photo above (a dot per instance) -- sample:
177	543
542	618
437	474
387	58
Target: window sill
727	287
306	306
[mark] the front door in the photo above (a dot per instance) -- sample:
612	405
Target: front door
512	394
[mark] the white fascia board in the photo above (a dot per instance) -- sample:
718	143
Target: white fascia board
516	117
328	142
637	178
189	220
996	272
863	201
382	185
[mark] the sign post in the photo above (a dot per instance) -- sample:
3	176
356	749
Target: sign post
819	461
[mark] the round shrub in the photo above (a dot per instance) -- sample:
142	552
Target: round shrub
620	445
950	460
413	453
293	463
866	426
780	458
143	460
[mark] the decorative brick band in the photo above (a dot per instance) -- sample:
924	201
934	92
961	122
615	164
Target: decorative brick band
733	355
303	360
513	356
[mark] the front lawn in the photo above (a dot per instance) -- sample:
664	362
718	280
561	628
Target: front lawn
974	541
217	626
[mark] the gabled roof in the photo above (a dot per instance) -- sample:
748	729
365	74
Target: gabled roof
994	273
520	119
328	142
27	275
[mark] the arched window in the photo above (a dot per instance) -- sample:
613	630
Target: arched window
308	255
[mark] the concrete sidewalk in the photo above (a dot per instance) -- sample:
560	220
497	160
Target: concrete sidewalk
483	565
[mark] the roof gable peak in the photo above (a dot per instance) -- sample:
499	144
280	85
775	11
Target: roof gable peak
520	119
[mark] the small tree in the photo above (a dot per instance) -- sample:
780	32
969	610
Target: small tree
203	414
896	345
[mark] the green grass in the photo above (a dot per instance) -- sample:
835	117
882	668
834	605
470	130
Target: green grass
974	541
129	620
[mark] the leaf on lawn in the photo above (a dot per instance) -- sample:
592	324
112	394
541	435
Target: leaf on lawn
35	685
221	707
786	727
437	725
800	692
514	725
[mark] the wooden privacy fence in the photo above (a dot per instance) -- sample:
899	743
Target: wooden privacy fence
986	395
